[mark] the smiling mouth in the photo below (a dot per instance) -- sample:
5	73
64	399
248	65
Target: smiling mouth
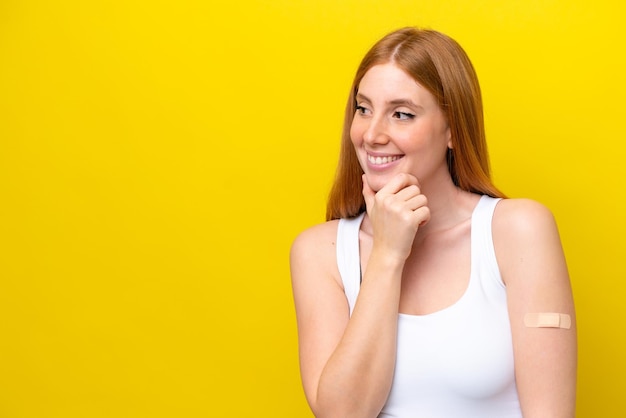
382	160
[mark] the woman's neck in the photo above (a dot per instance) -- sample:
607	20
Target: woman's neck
448	204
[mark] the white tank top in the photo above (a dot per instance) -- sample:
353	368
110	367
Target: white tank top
456	362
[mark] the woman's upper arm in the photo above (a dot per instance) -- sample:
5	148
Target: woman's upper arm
533	267
321	306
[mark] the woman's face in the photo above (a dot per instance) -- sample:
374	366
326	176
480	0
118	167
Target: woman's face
398	127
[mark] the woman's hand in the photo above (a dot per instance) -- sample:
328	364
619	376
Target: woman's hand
396	212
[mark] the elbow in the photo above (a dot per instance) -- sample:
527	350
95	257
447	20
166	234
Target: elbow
346	406
340	412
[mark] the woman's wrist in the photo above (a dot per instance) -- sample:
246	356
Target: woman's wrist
387	259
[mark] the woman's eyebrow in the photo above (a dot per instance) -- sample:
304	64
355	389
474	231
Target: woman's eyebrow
394	102
403	102
360	96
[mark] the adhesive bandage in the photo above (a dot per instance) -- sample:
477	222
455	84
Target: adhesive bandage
548	320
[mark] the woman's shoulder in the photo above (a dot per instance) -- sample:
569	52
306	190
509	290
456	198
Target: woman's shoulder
315	241
523	217
525	236
314	254
316	234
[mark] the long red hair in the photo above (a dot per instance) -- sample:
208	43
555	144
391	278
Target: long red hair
439	64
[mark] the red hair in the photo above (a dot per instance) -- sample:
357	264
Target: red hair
439	64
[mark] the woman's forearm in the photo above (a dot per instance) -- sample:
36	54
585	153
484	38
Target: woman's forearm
357	377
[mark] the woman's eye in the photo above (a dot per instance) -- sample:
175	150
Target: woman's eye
361	110
403	115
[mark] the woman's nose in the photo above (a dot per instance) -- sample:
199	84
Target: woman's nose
376	131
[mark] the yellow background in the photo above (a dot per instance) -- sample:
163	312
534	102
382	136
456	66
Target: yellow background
157	159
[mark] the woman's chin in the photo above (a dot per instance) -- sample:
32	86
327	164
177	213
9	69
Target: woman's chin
376	182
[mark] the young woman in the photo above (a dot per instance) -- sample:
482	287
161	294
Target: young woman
427	293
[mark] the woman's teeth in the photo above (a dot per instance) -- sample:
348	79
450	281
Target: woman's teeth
382	160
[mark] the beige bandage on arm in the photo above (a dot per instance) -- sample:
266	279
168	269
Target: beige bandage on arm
548	320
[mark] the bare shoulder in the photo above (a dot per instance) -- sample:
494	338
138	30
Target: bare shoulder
315	248
521	219
316	239
524	234
522	214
